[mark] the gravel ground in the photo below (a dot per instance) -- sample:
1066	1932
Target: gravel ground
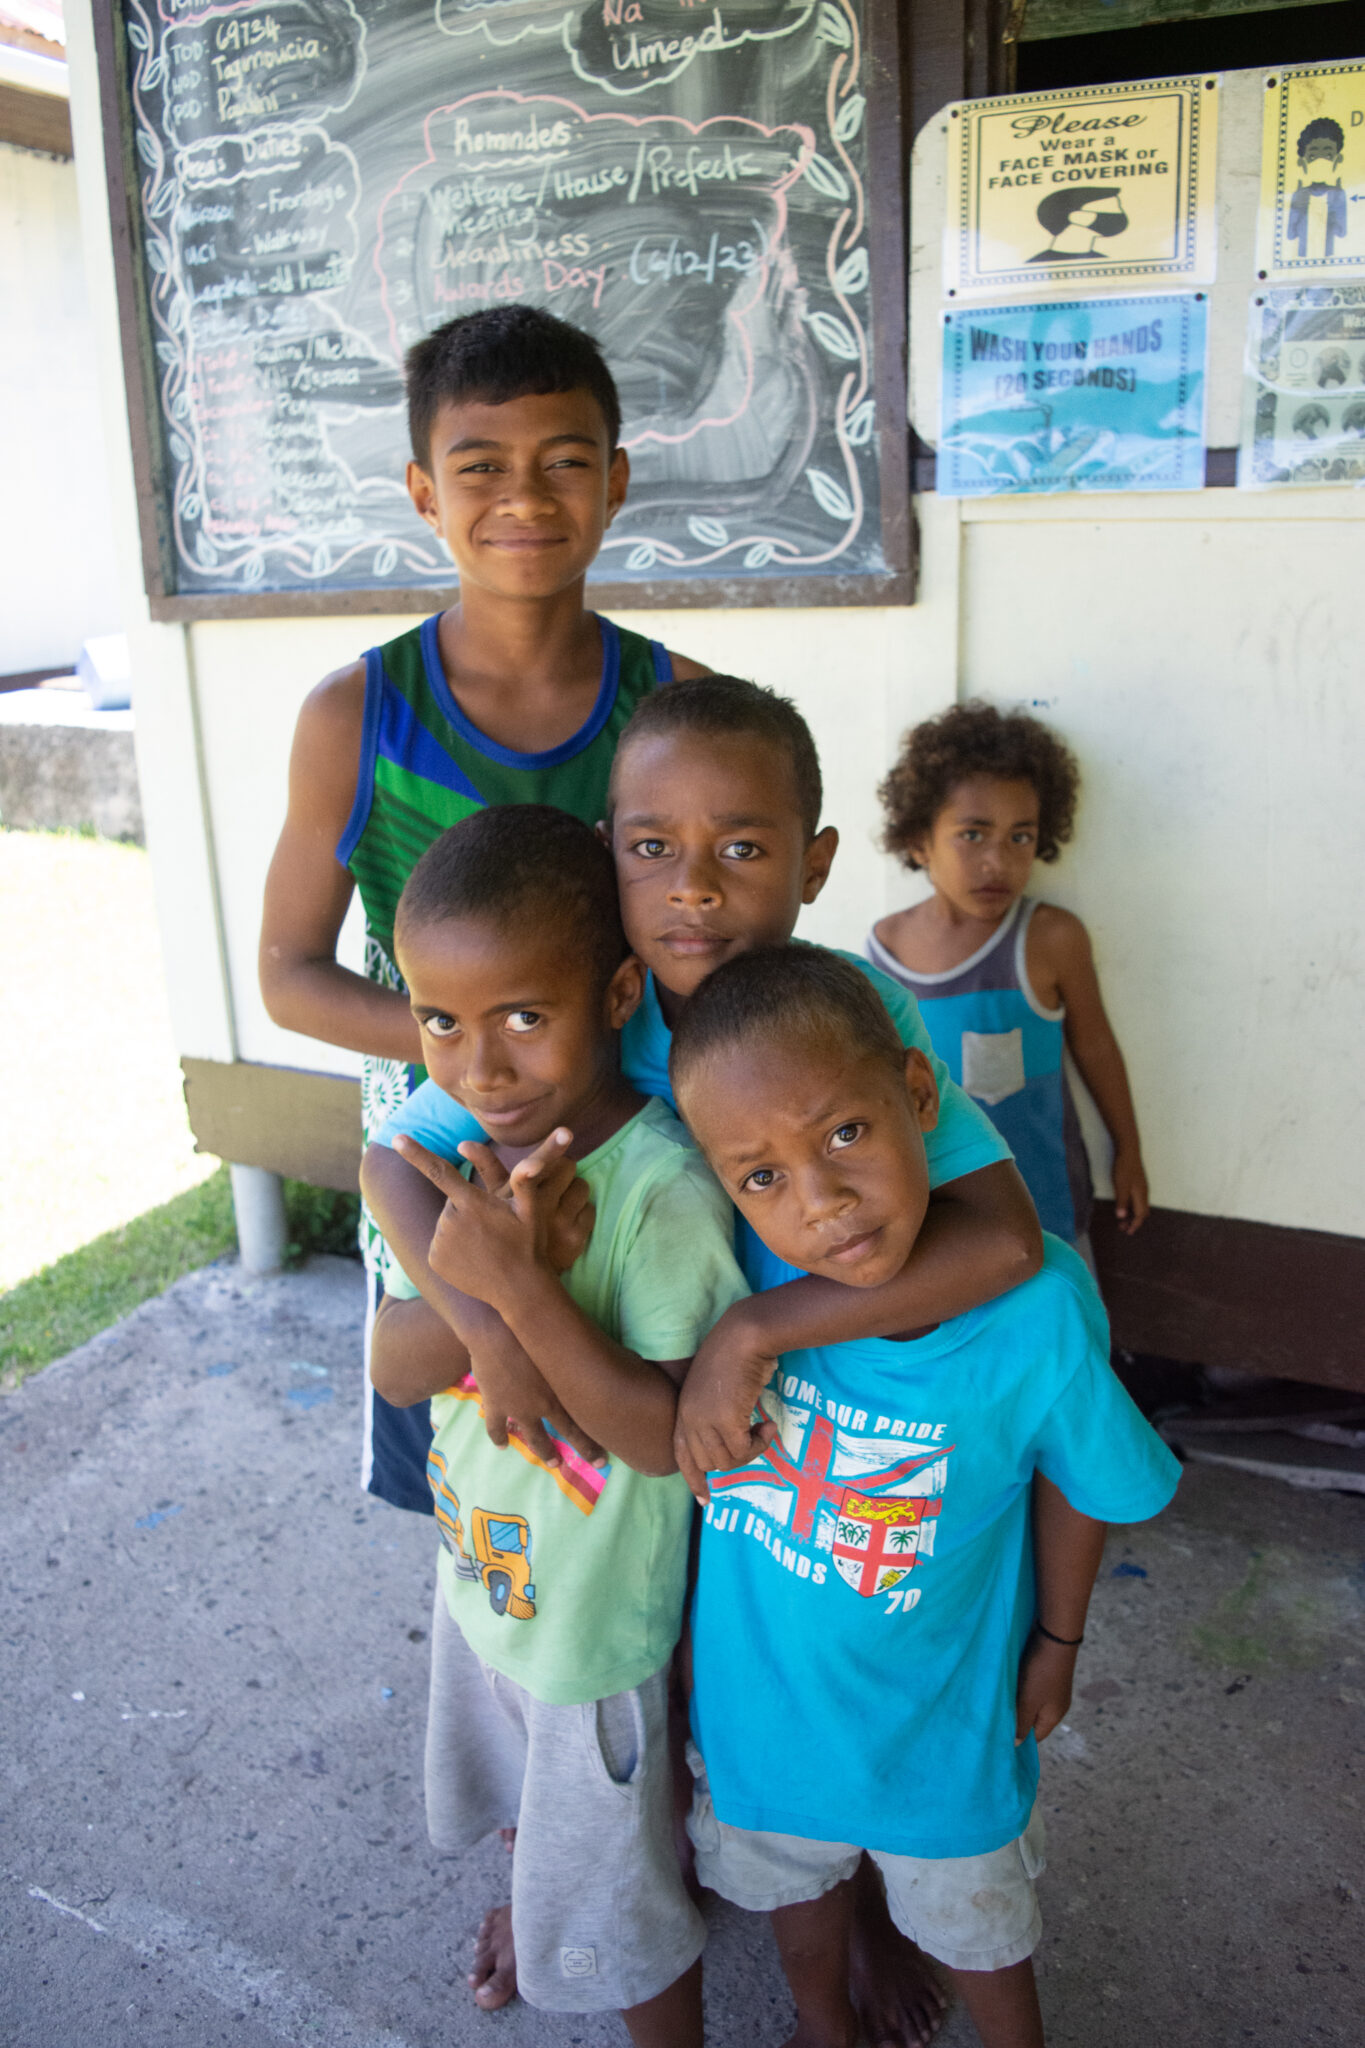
95	1130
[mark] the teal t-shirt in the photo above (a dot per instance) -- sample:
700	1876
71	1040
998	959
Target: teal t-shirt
571	1580
865	1586
963	1140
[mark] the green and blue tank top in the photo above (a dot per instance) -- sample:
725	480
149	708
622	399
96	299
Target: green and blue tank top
424	765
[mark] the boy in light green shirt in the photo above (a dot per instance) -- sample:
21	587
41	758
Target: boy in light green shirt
562	1580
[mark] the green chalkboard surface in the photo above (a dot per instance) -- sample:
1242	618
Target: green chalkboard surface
711	187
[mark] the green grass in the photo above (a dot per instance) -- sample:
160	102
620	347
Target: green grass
75	1298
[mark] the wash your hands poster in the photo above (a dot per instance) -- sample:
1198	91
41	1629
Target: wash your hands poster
1103	394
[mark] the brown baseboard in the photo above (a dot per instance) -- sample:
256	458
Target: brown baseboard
1215	1291
303	1125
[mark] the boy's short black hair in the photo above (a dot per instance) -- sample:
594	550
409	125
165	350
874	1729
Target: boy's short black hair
520	864
976	739
729	707
502	353
777	993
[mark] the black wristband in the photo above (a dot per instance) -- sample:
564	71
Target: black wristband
1066	1642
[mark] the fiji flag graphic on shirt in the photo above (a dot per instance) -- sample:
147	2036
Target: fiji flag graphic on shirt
840	1494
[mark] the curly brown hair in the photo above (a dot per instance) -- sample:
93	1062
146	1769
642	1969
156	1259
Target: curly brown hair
976	739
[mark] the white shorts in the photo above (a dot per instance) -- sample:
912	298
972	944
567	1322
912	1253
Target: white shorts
968	1912
600	1916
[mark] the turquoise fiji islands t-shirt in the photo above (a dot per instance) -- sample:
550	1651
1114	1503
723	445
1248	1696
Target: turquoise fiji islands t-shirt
865	1587
963	1141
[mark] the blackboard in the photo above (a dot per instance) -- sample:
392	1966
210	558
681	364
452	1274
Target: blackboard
300	188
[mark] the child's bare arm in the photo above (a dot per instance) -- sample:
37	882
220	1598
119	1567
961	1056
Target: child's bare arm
685	670
1067	1549
498	1252
979	1239
1064	948
307	890
413	1354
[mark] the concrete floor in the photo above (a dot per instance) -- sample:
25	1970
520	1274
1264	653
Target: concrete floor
212	1680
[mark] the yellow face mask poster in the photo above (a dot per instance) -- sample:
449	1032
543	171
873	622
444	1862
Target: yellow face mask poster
1106	185
1312	213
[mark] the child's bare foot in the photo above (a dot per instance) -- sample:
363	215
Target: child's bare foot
898	1999
493	1978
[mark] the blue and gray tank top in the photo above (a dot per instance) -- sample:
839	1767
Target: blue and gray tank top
1000	1045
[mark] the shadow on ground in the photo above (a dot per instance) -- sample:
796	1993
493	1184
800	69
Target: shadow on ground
213	1675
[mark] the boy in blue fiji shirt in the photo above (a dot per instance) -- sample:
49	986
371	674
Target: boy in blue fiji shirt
879	1639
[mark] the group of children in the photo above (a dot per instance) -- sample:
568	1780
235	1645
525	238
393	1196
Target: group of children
686	1211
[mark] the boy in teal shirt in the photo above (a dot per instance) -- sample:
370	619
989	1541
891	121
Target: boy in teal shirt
561	1580
879	1640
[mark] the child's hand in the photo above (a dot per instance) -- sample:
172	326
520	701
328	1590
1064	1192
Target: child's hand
566	1195
1046	1672
487	1247
516	1398
1130	1192
715	1430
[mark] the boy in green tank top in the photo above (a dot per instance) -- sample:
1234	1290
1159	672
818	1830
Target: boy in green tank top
515	694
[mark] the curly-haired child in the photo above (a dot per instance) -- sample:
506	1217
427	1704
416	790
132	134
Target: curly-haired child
1002	981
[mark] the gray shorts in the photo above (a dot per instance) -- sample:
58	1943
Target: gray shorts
600	1915
969	1912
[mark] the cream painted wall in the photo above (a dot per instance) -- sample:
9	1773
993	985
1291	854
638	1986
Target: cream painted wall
59	579
1207	672
1197	650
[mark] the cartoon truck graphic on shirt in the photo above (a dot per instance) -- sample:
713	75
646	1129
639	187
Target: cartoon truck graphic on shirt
501	1560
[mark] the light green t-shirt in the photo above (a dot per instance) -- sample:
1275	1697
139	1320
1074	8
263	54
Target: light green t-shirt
572	1581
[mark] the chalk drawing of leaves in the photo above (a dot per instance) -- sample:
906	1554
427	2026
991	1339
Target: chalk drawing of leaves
180	447
253	569
156	256
322	559
205	552
827	177
164	201
849	118
861	420
851	276
386	560
759	555
180	405
175	312
146	148
829	495
154	73
138	37
833	28
643	556
835	335
709	531
168	352
191	504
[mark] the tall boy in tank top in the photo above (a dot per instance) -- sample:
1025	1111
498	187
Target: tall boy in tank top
1004	983
516	694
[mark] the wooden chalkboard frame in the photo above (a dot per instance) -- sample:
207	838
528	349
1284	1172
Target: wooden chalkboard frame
887	248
